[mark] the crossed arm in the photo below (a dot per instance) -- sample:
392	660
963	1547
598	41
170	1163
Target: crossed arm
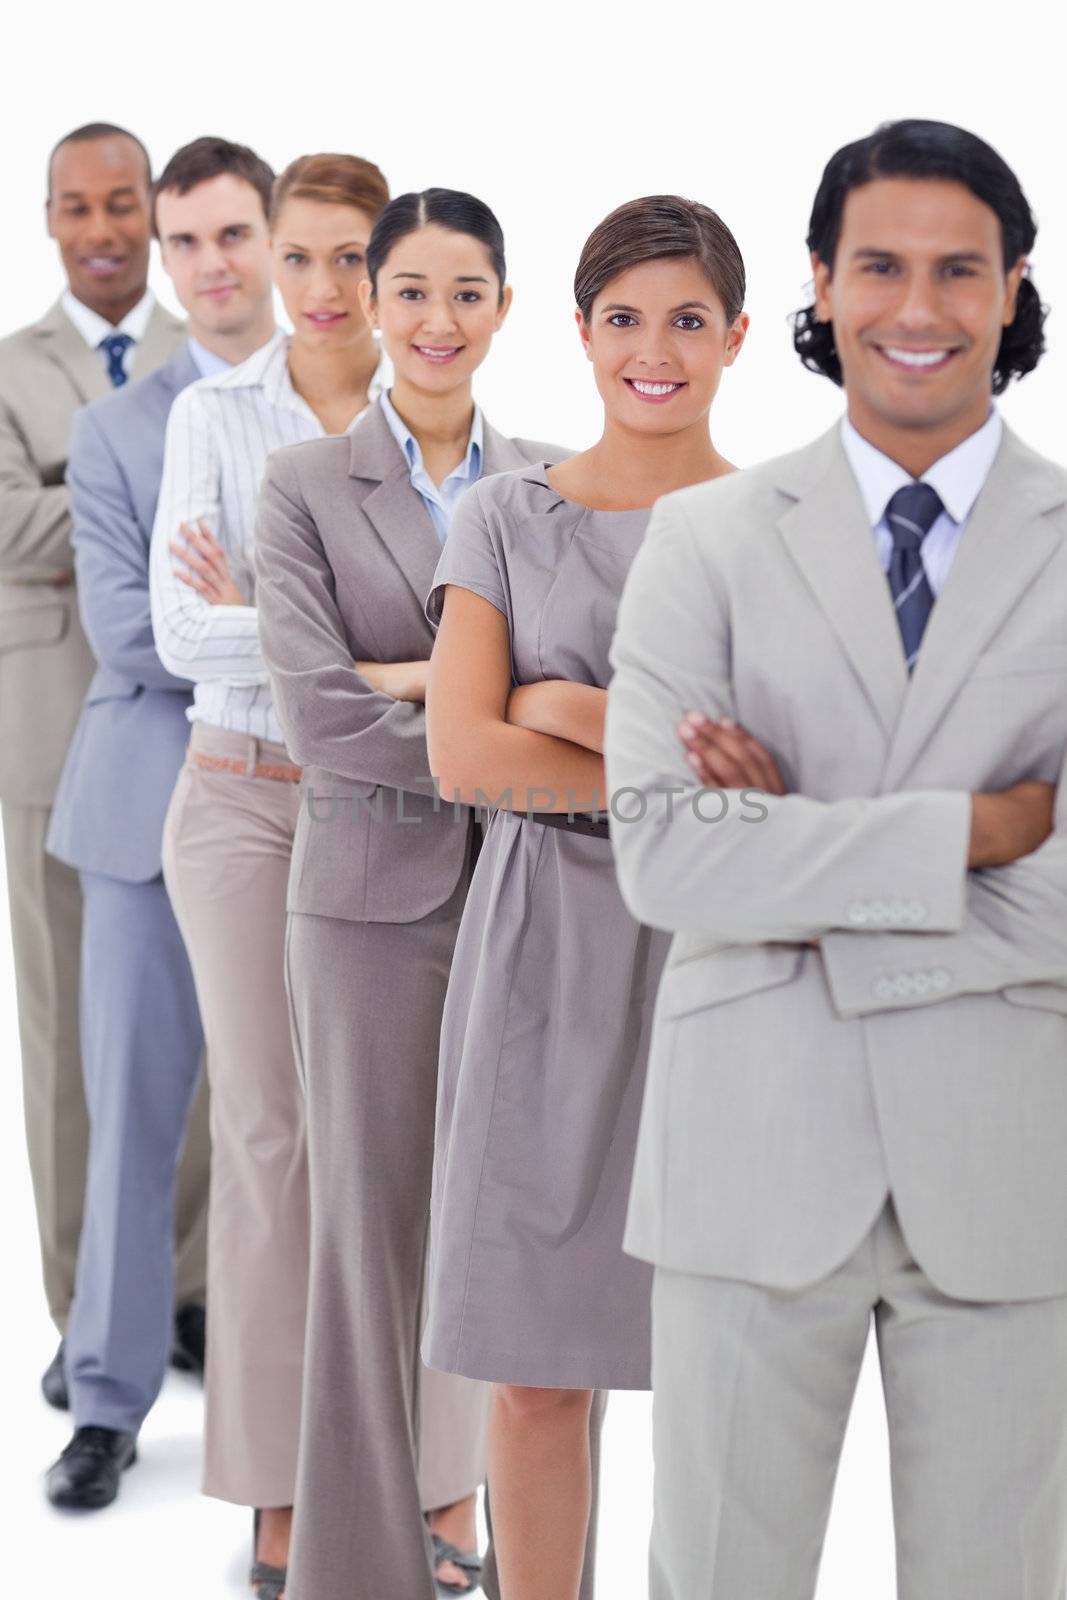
990	871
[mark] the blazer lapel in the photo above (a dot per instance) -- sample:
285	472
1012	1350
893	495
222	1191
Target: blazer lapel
501	454
1007	542
828	536
65	346
394	509
158	344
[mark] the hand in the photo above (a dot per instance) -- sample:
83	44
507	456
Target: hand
207	569
1010	824
724	756
400	680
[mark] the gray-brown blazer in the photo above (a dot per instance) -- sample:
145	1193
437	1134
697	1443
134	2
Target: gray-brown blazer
47	371
345	557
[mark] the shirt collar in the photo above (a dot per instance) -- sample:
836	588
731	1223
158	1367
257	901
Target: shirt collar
469	467
206	362
93	327
958	477
268	369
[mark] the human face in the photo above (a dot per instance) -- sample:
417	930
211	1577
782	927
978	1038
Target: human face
320	259
215	247
658	339
98	214
919	297
438	304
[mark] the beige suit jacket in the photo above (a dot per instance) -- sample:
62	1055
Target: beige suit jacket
921	1049
345	556
47	372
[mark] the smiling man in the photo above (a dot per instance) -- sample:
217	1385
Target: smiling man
141	1034
857	1102
104	329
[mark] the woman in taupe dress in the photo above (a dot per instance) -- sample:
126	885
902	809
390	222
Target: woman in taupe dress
550	998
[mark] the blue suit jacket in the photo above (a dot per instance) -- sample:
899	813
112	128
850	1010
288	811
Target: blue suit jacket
132	733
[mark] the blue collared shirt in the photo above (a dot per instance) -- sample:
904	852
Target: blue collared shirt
439	502
206	362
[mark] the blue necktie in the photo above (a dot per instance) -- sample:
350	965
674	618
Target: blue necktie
911	513
115	347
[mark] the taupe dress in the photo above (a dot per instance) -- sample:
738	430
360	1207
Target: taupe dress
547	1018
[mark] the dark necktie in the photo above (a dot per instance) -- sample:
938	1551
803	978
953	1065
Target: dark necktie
115	347
911	513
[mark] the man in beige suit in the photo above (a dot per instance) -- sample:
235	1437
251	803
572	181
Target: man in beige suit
840	716
104	329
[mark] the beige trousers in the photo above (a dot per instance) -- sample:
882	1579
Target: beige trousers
226	847
45	903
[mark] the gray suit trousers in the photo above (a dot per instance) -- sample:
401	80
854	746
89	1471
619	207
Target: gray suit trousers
141	1054
752	1391
46	920
366	1002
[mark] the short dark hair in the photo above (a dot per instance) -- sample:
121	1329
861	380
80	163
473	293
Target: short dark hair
331	180
210	157
446	208
97	130
657	228
914	148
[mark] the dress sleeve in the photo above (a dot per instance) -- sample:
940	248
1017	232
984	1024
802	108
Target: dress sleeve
472	557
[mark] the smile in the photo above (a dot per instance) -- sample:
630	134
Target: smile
915	360
657	392
101	265
438	354
325	318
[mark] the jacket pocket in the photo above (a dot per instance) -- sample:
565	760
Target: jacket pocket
36	625
698	979
1038	996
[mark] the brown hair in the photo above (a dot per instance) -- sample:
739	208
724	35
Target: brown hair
335	180
211	157
653	229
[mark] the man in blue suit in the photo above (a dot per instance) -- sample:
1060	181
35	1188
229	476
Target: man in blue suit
141	1035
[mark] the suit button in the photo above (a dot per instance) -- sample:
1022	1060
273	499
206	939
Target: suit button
940	978
879	911
858	913
916	911
898	912
923	982
885	989
905	984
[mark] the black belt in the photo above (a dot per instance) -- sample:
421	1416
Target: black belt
576	822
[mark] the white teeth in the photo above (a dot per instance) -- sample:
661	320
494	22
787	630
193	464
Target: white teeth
654	388
916	358
435	350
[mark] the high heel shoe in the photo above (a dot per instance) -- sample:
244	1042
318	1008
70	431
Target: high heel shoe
268	1583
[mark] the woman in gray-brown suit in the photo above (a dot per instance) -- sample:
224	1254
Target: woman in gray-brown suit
349	534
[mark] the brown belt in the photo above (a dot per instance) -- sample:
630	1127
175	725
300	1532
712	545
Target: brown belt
262	769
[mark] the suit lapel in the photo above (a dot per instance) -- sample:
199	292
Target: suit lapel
501	453
828	536
65	346
393	508
1007	542
158	344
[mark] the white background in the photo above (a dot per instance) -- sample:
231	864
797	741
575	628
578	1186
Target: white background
554	114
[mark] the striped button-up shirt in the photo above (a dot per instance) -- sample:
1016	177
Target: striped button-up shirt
219	435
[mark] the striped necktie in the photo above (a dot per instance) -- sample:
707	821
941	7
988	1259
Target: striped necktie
115	347
911	513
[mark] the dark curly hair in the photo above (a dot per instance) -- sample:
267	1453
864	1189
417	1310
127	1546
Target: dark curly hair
919	149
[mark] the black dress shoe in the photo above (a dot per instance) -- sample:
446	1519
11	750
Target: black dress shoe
86	1476
190	1337
54	1382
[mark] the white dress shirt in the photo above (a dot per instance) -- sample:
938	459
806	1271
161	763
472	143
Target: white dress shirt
958	478
439	500
219	435
93	327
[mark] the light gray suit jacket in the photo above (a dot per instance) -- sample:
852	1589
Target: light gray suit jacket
922	1048
131	736
47	371
345	557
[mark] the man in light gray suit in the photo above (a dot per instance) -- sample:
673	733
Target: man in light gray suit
857	1103
105	329
141	1035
